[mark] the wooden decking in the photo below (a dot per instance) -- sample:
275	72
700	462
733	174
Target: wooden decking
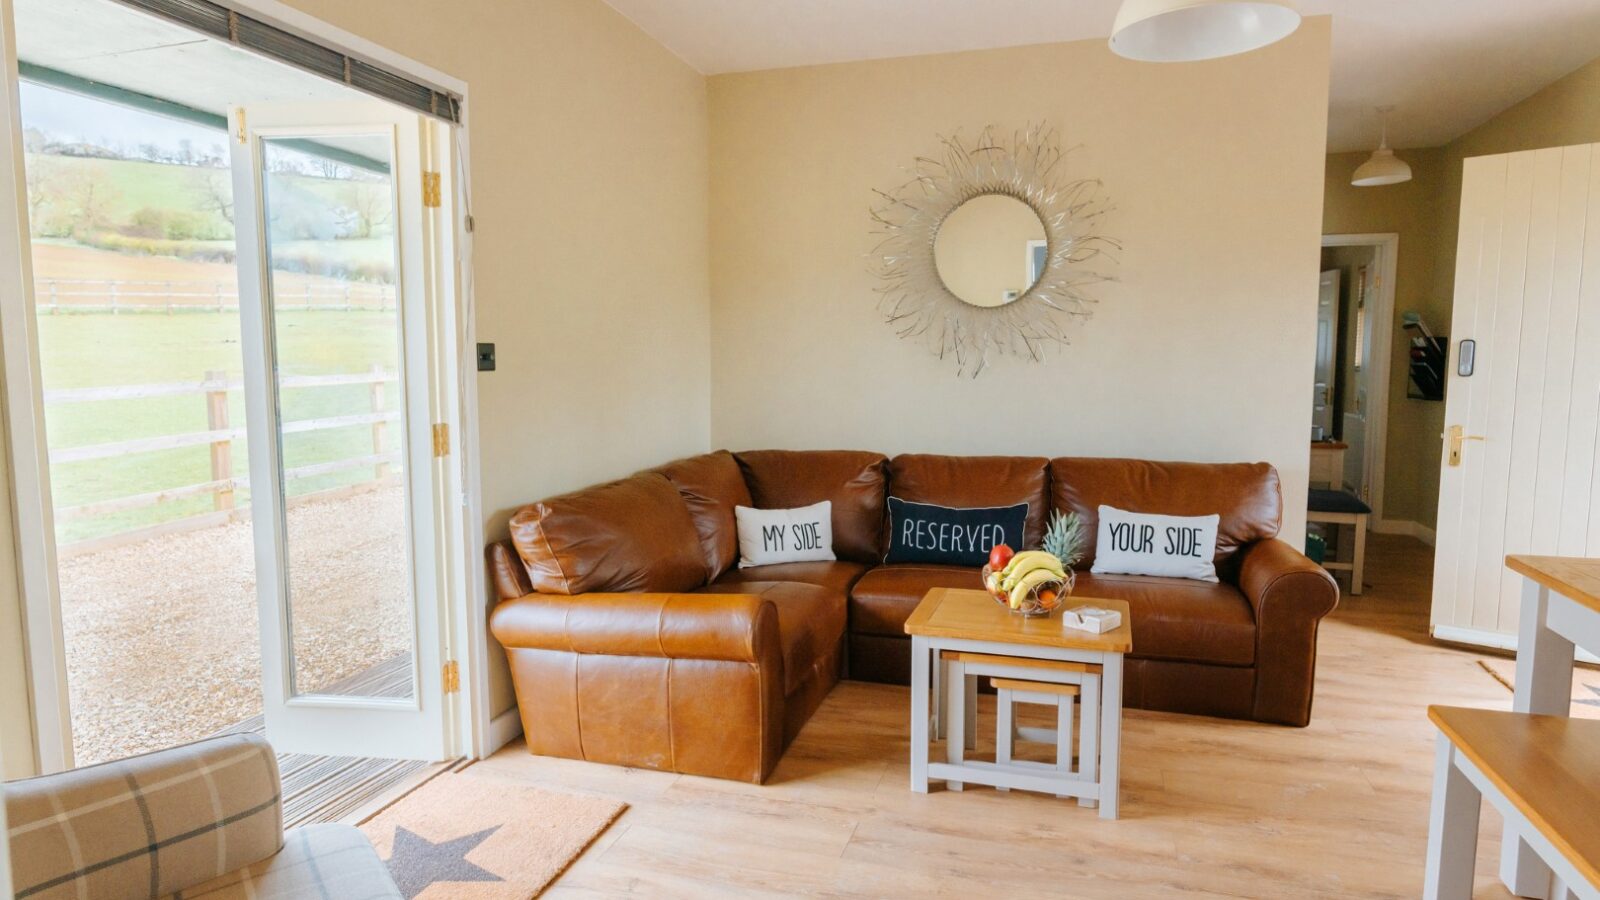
342	788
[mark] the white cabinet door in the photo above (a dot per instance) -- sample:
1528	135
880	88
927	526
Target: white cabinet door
330	199
1519	459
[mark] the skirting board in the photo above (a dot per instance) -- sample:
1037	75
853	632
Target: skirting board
1404	526
503	729
1477	637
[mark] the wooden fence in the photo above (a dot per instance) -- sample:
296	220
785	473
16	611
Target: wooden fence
53	296
219	436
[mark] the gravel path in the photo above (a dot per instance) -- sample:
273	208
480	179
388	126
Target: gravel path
162	637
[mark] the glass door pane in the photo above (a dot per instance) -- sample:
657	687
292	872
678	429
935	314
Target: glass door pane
338	382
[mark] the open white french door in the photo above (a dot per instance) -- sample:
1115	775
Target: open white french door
337	192
1522	417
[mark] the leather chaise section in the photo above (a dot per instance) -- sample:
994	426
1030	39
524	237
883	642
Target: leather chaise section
838	577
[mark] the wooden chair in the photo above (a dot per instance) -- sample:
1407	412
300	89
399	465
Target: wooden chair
1542	773
1339	508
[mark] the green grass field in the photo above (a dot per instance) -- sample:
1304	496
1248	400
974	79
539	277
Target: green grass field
103	350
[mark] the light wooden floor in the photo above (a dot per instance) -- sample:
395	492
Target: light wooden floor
1211	808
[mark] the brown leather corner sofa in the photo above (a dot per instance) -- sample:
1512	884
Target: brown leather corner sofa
635	639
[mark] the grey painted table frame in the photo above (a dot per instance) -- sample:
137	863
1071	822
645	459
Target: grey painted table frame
1102	790
1550	628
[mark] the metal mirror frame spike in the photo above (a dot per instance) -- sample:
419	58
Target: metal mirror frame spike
1026	166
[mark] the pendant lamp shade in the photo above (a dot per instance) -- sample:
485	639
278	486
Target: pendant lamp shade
1382	167
1190	30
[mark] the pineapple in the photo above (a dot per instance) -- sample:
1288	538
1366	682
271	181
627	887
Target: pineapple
1064	538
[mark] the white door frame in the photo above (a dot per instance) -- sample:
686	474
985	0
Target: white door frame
24	408
32	512
1380	340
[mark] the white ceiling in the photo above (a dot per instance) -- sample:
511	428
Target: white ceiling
1446	65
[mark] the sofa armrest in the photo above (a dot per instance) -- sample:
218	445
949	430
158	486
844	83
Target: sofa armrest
205	809
1289	595
730	627
689	683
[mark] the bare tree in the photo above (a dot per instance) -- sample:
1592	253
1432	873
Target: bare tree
44	187
214	193
89	198
371	204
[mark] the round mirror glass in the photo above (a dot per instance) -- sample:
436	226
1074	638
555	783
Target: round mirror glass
990	250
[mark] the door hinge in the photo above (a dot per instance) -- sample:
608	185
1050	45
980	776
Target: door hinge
441	439
452	677
431	191
242	134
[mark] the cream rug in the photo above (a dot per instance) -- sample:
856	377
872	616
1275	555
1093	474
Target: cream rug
459	836
1585	684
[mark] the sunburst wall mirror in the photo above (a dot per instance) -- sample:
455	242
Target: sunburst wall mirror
990	249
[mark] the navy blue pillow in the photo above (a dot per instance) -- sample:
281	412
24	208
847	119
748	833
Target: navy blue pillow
952	536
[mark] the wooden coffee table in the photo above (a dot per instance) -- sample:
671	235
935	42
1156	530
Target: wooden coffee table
972	622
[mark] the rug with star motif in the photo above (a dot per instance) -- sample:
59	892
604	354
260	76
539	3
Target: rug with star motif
480	838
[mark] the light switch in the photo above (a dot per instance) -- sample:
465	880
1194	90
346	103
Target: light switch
485	357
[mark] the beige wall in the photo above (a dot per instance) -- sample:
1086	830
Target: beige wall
1203	351
589	174
1411	470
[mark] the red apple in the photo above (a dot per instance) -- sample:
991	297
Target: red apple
999	556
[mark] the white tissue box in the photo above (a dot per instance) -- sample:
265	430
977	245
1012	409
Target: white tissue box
1091	618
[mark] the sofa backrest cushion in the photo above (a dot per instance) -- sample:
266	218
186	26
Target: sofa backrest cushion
977	481
855	481
628	535
711	485
1247	496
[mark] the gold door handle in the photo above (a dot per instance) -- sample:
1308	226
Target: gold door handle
1457	436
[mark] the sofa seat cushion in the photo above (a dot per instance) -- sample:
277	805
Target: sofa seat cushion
836	576
883	599
810	624
1178	619
323	860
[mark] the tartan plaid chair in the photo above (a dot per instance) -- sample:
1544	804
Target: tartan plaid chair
201	820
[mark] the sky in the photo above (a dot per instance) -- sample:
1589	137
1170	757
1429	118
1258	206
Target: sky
74	118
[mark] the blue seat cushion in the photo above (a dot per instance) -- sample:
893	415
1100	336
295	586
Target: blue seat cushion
1336	502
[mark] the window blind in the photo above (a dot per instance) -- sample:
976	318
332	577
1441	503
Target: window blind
303	53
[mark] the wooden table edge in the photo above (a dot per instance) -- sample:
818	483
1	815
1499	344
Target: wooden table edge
1537	568
1585	867
1118	640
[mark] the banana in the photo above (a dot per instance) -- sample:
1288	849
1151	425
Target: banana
1030	581
1046	563
1024	558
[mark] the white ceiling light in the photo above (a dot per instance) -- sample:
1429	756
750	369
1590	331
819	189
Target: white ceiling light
1383	167
1189	30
